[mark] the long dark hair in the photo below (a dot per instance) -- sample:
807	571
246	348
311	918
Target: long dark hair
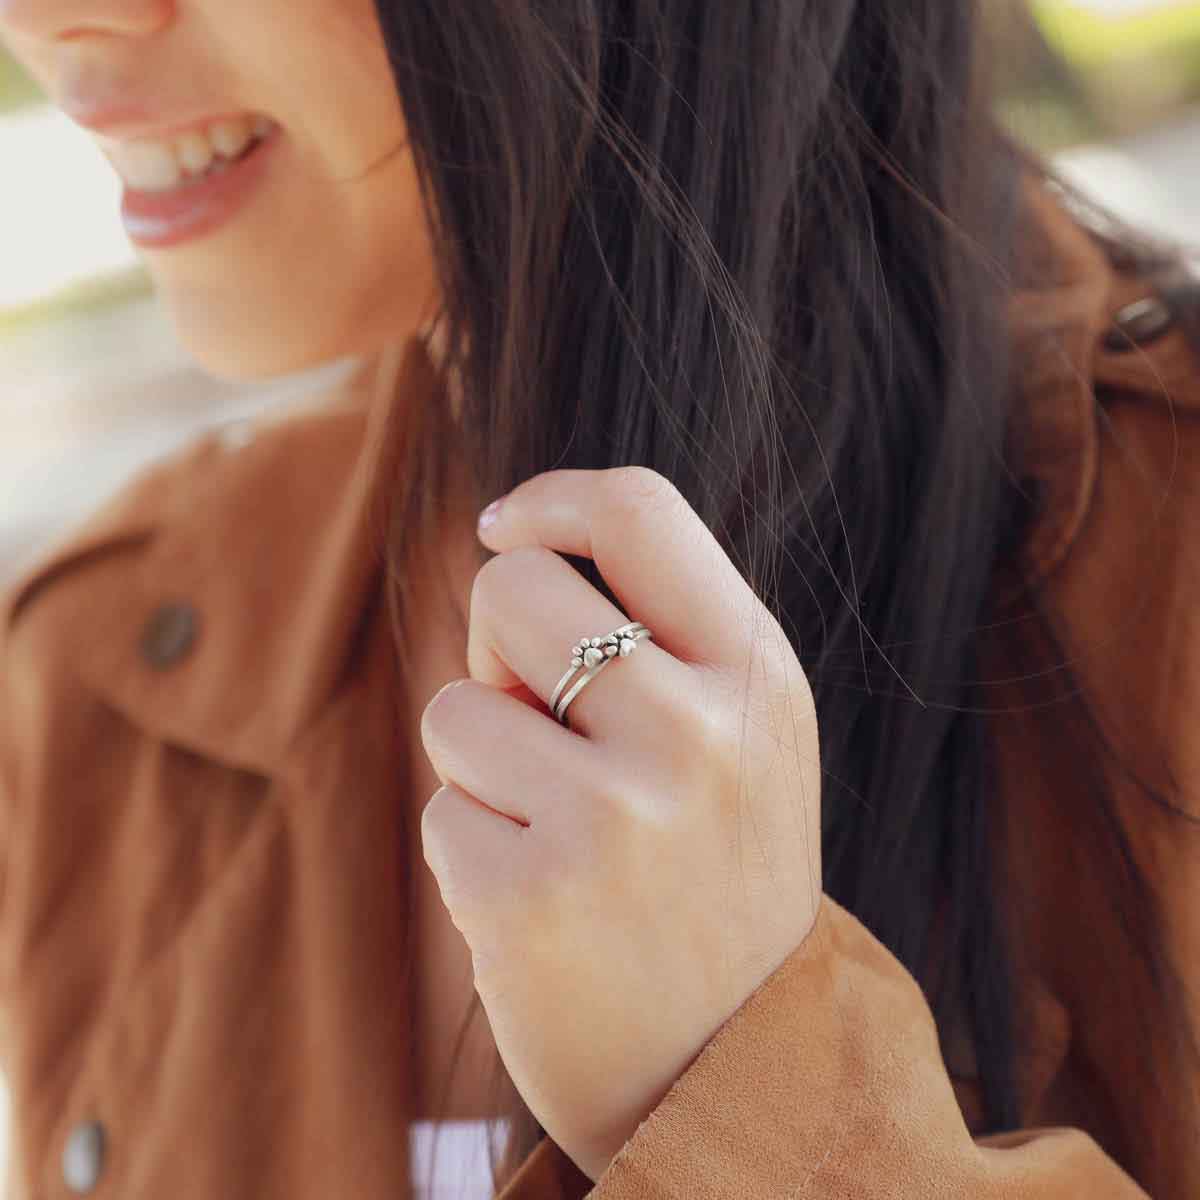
765	248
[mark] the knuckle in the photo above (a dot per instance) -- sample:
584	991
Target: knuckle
695	714
433	821
608	796
636	487
788	689
712	736
778	662
440	712
630	804
464	892
437	819
703	735
503	573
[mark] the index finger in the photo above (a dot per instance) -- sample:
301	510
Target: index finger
659	558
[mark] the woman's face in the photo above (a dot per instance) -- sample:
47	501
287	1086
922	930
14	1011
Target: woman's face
317	250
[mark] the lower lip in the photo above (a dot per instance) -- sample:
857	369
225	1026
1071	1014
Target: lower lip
167	218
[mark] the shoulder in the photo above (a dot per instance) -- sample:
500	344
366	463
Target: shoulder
1116	342
214	481
1113	551
126	519
186	585
219	599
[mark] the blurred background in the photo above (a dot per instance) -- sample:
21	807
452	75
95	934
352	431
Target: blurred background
93	383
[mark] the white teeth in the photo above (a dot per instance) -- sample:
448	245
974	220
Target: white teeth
148	166
231	137
194	151
156	165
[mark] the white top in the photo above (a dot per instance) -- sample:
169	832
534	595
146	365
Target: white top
456	1167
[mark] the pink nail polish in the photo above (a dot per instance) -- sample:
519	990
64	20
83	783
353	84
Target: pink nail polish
489	514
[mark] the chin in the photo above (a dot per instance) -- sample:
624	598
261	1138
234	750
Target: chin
235	340
227	354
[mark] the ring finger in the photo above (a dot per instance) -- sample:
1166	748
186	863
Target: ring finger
515	640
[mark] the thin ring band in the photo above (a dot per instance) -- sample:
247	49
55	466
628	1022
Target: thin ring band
578	653
620	643
630	635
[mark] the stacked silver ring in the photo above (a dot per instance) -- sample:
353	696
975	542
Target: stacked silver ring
589	656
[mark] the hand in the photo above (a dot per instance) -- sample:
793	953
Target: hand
625	884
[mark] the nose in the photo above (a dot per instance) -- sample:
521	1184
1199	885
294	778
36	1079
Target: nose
60	20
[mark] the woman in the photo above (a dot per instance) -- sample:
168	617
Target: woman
859	869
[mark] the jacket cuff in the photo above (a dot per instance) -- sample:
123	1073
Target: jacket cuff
828	1083
785	1098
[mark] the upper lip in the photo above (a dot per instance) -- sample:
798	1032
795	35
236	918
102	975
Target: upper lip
118	122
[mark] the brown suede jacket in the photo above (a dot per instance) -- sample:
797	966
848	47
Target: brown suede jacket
202	882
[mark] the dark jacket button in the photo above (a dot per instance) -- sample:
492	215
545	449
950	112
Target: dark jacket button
83	1156
169	634
1139	323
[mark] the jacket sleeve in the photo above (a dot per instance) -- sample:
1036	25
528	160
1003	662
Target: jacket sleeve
828	1084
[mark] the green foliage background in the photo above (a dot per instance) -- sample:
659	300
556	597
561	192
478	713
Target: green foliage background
16	88
1066	74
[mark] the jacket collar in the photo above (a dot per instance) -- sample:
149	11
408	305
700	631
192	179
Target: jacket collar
277	546
1069	368
1052	430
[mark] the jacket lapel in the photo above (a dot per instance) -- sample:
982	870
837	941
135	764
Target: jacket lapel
274	548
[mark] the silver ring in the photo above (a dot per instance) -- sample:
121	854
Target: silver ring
589	656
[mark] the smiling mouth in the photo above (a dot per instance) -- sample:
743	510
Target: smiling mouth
156	165
166	216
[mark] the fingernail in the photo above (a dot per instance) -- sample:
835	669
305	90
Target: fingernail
489	514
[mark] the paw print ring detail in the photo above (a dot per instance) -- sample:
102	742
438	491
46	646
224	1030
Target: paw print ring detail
589	656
